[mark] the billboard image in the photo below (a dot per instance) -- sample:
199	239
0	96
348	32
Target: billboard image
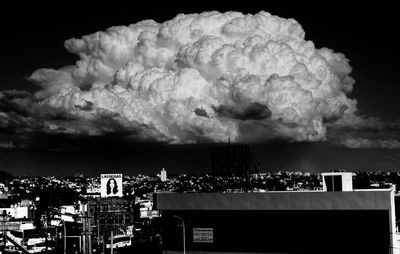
111	185
203	235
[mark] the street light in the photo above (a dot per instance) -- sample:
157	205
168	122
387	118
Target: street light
183	230
65	238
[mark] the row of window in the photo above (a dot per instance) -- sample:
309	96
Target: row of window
106	207
112	220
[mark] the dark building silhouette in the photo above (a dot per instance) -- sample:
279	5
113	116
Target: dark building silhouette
233	159
328	222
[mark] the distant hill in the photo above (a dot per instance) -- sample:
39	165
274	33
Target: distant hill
5	175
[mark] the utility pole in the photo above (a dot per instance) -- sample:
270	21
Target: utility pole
4	227
65	238
84	233
56	238
5	218
104	243
89	238
98	230
112	241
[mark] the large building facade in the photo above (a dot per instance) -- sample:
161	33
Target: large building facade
280	222
111	214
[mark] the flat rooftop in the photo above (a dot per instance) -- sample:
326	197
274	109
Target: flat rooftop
310	200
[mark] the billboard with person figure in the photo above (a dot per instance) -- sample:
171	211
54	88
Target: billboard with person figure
111	185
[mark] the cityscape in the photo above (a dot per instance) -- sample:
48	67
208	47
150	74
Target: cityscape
48	213
184	127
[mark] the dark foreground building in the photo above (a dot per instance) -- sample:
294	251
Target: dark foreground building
280	222
111	214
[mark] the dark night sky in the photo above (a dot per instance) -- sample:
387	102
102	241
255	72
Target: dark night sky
33	36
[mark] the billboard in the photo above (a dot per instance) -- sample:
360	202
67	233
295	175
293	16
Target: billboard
148	214
111	185
203	235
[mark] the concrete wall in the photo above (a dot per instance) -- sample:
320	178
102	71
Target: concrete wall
356	200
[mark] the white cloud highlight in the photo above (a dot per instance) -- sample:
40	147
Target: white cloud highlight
204	77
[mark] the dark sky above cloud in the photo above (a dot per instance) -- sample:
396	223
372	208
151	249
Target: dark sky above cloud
34	38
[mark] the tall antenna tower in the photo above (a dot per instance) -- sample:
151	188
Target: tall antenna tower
233	159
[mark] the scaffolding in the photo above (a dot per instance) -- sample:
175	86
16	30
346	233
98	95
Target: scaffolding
233	160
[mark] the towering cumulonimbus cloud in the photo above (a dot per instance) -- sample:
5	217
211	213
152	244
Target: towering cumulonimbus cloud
203	78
